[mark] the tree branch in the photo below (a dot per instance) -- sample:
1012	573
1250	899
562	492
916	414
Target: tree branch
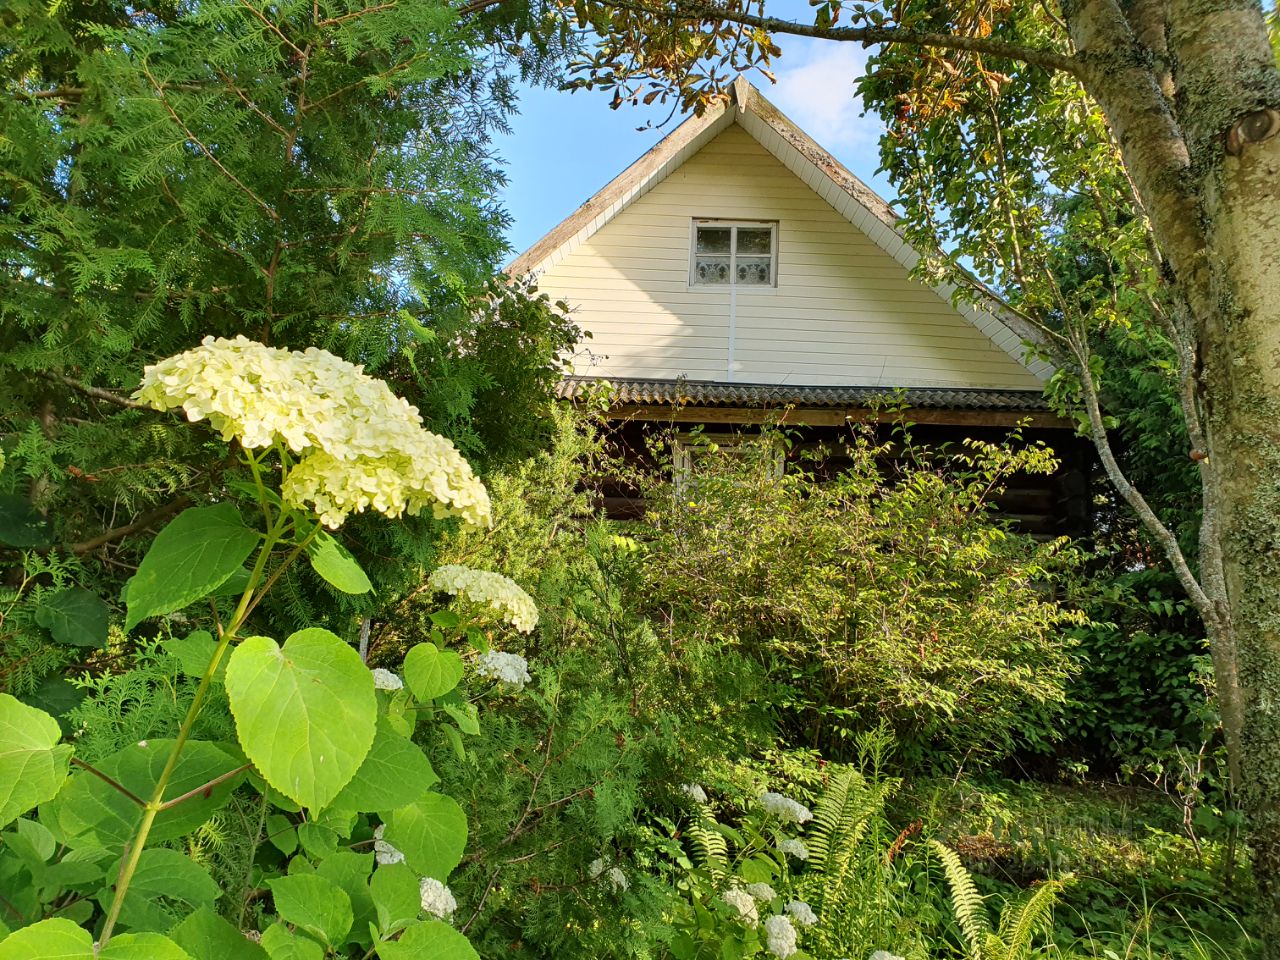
97	392
119	533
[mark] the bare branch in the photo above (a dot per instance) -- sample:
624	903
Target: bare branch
119	533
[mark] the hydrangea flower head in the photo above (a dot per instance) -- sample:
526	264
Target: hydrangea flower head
488	589
595	867
794	847
694	792
780	936
803	914
358	444
761	891
386	680
508	668
785	809
384	852
744	903
884	955
617	879
436	898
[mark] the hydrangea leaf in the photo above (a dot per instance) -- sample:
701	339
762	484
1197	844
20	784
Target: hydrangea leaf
431	938
190	558
168	874
91	813
21	525
313	903
74	616
336	565
142	946
54	939
395	772
33	765
431	672
283	944
431	833
194	652
206	936
350	872
305	713
396	896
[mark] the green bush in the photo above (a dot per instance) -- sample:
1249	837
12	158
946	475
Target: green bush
904	599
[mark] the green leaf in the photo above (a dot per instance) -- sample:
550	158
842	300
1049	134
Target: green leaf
142	946
432	938
305	712
282	834
194	653
317	905
431	833
21	525
282	944
190	558
336	565
55	939
455	740
33	765
431	672
57	696
465	716
74	616
206	936
164	879
90	813
350	872
395	772
396	896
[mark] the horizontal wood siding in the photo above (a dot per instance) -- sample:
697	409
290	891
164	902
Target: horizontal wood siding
843	312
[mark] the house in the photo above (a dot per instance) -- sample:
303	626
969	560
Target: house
738	272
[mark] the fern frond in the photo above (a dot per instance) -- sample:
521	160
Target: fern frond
710	847
970	911
1022	920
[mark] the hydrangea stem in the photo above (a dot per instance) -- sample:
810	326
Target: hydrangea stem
156	803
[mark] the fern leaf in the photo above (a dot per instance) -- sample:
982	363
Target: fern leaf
970	911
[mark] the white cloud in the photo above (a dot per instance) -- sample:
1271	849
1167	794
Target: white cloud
815	89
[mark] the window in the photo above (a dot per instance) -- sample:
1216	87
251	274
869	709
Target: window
739	254
693	449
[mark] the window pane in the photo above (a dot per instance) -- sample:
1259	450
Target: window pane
711	269
754	270
713	240
756	240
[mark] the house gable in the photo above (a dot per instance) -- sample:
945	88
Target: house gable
844	310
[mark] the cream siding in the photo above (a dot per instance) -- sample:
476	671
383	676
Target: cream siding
844	312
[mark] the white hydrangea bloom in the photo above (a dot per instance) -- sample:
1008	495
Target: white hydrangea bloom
802	913
761	891
437	899
386	680
358	444
492	589
694	792
780	936
795	848
384	852
785	809
744	903
510	668
617	879
595	868
884	955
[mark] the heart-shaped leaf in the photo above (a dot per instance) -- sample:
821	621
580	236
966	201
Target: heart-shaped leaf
395	772
305	712
74	616
430	671
431	833
318	906
432	938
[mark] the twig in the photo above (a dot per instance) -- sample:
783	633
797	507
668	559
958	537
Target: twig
106	779
204	787
97	392
119	533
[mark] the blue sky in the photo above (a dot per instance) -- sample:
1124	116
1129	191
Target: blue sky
563	147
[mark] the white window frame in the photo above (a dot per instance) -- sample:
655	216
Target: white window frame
685	443
733	225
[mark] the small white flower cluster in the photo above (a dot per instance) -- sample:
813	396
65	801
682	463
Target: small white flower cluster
493	589
384	852
617	879
509	668
795	848
761	891
744	903
386	680
780	936
694	792
802	913
359	444
785	809
437	899
884	955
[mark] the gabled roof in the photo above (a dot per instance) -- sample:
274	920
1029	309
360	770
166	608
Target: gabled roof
804	157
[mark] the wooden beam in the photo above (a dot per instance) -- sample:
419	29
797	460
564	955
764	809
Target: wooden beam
836	416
